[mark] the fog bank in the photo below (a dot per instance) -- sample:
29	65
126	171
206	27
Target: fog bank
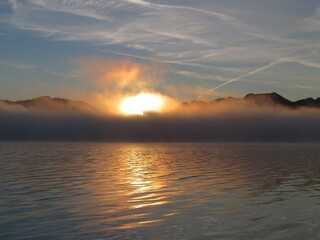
261	126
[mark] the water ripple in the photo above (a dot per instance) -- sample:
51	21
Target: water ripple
159	191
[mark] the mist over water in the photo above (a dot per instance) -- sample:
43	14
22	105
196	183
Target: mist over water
159	191
254	118
236	126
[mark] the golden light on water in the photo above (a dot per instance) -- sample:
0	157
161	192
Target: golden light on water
141	103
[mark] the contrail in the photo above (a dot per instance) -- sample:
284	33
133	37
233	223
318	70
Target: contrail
244	75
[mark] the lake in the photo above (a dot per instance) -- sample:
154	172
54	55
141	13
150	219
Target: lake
159	191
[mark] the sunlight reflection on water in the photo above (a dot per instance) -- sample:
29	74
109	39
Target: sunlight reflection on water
159	191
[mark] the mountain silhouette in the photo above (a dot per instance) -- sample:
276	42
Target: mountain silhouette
221	120
263	100
63	105
48	104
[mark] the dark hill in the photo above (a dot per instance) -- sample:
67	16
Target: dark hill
48	104
63	105
271	99
263	100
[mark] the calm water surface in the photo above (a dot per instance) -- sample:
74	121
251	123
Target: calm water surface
159	191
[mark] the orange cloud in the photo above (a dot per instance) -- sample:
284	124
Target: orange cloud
121	75
119	78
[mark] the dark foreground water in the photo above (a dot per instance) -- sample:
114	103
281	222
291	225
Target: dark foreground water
159	191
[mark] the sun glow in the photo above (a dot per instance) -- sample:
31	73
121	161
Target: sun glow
141	103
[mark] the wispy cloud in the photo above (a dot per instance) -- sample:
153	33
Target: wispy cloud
14	4
145	22
312	23
260	69
16	65
207	40
305	62
263	68
201	75
68	75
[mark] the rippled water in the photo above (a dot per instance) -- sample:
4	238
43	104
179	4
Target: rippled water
159	191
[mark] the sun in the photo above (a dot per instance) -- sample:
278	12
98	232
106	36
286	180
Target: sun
141	103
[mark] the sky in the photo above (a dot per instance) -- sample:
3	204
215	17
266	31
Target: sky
201	49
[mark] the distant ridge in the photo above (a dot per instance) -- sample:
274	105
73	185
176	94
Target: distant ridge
63	105
48	104
253	118
264	99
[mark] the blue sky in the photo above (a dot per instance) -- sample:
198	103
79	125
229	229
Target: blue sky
210	48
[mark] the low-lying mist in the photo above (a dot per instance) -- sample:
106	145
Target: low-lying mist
197	122
255	118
